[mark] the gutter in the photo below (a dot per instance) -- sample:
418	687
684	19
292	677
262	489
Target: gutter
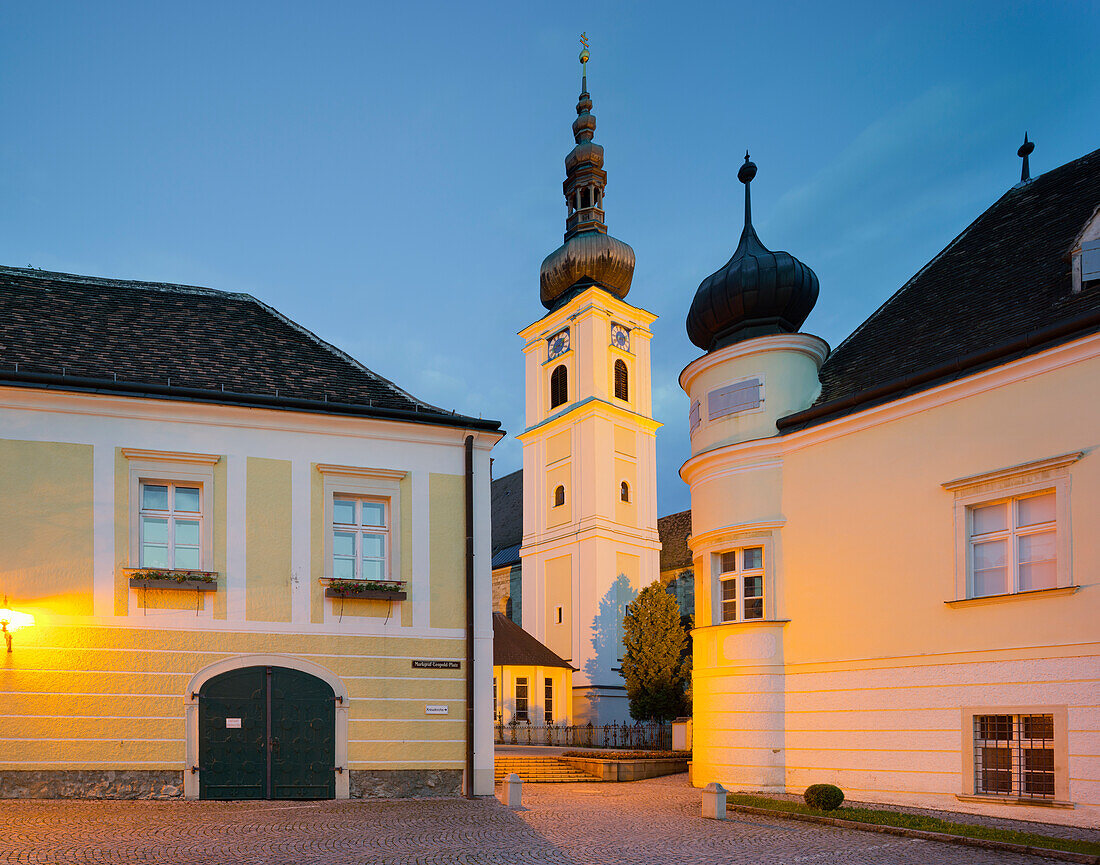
83	384
469	617
1059	332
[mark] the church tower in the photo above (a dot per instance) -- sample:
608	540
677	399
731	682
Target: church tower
590	540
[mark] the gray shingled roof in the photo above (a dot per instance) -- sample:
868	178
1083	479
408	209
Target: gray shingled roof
168	341
507	516
1006	278
514	646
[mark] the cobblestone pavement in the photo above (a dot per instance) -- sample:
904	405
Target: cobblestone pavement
655	821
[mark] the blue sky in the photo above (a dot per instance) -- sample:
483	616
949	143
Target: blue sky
389	175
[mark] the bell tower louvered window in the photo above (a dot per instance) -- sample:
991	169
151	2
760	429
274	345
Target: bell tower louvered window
622	390
559	386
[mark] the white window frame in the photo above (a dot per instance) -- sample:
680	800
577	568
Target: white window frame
359	528
1010	536
170	515
171	467
1047	475
737	578
370	484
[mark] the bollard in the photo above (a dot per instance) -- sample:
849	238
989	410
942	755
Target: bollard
513	791
714	801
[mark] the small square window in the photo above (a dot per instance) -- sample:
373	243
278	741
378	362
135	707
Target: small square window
1014	755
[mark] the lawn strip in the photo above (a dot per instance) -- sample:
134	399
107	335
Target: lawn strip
921	826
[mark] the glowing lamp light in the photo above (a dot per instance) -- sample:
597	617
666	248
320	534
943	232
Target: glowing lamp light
11	620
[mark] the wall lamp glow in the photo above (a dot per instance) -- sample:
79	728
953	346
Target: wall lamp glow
10	621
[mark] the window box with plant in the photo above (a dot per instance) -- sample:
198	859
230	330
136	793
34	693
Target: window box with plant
377	590
172	578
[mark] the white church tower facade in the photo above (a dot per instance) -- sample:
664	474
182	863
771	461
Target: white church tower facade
590	540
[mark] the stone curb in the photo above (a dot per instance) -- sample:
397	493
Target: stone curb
984	843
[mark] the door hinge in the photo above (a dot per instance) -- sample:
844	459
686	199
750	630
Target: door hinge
340	769
194	770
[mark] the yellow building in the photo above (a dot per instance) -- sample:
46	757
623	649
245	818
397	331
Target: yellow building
245	554
894	542
531	685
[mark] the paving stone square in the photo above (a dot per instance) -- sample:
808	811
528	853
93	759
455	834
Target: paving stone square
655	821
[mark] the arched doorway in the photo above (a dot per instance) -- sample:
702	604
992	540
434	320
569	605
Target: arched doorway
266	731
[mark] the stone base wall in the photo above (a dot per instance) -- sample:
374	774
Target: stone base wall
91	784
404	783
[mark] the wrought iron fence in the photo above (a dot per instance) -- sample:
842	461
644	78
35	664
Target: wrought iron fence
632	736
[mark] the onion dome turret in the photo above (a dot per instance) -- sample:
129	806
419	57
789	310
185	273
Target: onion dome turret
756	293
589	255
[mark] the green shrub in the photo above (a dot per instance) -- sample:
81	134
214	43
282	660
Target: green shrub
823	797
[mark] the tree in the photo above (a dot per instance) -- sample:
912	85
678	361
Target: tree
656	664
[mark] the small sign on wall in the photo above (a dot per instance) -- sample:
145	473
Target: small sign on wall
232	723
435	710
429	664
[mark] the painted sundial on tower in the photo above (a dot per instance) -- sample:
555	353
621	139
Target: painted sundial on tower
558	344
620	337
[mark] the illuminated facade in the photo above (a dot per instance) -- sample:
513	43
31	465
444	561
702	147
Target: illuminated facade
203	504
893	541
589	539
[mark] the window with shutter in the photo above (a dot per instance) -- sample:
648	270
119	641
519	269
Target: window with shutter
621	390
559	386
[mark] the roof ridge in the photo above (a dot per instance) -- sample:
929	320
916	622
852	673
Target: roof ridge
112	282
347	358
1011	190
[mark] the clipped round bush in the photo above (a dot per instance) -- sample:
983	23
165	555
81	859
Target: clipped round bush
823	797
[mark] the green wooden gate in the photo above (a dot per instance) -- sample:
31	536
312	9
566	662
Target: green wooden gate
267	733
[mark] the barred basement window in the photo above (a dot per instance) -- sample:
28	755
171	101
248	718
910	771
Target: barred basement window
1014	755
621	390
559	386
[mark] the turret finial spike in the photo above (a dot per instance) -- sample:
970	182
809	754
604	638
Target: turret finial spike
1024	152
745	174
584	63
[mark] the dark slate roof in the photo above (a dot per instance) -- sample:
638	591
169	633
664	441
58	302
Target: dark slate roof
184	342
507	516
506	557
515	647
1006	277
674	530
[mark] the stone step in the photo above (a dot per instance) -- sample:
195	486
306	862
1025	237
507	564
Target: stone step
540	770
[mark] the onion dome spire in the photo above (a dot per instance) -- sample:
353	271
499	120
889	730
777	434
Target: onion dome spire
589	255
756	293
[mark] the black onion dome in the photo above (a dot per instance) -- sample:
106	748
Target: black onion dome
756	293
589	256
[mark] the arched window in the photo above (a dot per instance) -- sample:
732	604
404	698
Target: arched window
621	390
559	386
559	496
624	491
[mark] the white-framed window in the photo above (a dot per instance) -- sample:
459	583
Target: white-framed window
1012	529
741	578
363	528
520	713
170	520
1013	545
360	538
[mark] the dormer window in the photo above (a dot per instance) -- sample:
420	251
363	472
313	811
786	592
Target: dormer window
1085	255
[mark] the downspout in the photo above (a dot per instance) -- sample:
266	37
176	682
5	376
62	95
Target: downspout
469	617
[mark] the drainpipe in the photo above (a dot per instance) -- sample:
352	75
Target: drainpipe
469	617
